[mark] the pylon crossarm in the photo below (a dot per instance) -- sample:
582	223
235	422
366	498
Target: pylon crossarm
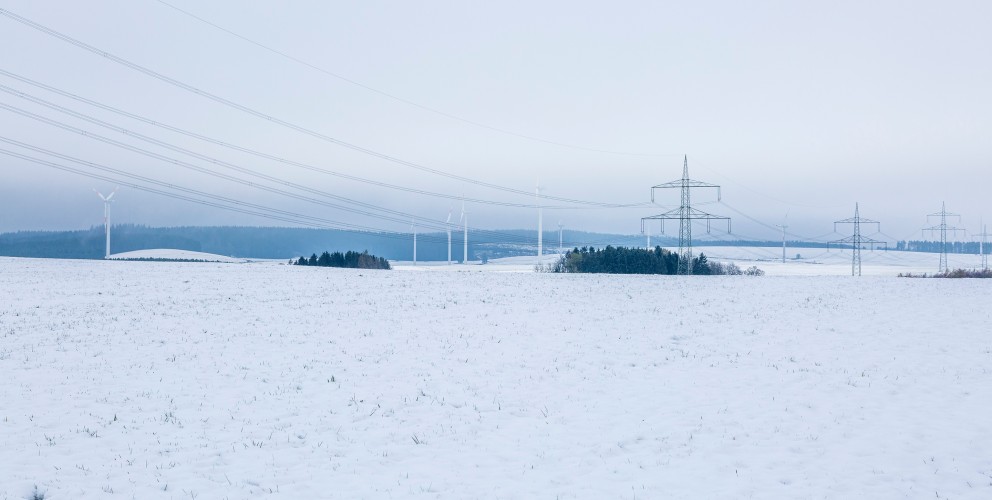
943	228
685	183
675	213
699	214
857	220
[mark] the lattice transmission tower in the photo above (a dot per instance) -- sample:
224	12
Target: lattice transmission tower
943	228
685	214
856	240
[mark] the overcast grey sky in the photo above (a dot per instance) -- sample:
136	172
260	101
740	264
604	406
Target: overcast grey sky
798	108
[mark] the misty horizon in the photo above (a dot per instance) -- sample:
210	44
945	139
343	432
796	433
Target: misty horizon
797	111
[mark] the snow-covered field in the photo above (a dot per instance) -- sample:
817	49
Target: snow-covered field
192	380
812	262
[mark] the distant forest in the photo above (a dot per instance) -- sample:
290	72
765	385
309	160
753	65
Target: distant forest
285	243
966	247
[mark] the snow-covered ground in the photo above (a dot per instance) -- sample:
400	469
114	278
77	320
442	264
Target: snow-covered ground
812	262
194	380
834	262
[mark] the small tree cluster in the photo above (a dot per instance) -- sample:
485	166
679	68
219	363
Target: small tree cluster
731	269
622	260
616	260
353	260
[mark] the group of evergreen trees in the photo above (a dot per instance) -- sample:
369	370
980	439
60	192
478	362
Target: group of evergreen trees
622	260
617	260
353	260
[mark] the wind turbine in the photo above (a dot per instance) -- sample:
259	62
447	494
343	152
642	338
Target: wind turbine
559	237
464	220
447	224
540	218
784	227
414	229
106	216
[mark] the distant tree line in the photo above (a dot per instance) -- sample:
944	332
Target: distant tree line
956	273
623	260
966	247
349	259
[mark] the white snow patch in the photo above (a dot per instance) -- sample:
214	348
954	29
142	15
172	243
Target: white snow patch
171	254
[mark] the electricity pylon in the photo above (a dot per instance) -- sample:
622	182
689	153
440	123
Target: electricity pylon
685	214
943	228
856	240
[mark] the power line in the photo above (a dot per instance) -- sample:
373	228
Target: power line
759	193
394	215
253	152
397	98
240	206
299	218
772	227
215	201
204	170
245	109
219	201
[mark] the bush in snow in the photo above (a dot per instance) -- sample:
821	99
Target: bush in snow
957	273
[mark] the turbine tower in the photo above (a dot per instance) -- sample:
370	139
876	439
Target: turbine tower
982	244
540	219
413	228
685	214
447	224
106	216
559	237
464	220
784	227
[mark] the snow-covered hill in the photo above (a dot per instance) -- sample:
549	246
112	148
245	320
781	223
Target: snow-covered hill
176	255
201	380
